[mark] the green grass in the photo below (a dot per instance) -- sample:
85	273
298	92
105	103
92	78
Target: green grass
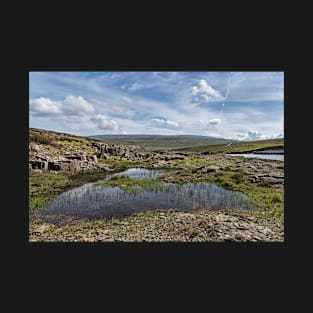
267	197
43	187
72	140
191	231
192	162
39	202
54	143
243	146
39	138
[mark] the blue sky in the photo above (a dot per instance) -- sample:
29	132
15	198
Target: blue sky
233	105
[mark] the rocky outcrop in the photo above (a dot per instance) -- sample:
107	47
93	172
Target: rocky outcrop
59	152
266	179
68	162
103	150
37	164
169	157
132	152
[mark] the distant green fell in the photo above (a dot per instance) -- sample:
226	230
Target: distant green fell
160	142
237	147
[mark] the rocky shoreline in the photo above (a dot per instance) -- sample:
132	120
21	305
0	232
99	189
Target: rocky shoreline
167	226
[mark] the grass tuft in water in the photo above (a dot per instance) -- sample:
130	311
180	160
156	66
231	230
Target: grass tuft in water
134	184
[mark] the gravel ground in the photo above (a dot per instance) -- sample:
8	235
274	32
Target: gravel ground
166	226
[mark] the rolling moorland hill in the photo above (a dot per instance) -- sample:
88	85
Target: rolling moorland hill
191	143
55	141
160	142
239	147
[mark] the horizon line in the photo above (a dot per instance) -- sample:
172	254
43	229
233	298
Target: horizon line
88	136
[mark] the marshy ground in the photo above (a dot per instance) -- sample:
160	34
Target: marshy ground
261	180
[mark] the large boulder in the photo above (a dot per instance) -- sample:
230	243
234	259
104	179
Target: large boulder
103	156
92	158
38	164
35	148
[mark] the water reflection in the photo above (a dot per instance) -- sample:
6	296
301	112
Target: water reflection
279	157
137	172
94	201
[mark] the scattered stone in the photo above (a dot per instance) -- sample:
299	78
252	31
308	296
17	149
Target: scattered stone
175	226
208	169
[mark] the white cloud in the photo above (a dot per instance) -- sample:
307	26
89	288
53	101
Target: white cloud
111	108
254	86
157	121
204	90
71	105
252	135
213	134
171	123
77	106
240	136
79	127
45	106
275	136
215	121
134	87
180	132
255	135
104	123
195	90
176	100
76	122
127	99
163	122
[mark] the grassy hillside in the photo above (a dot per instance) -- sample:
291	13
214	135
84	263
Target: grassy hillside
242	146
54	143
159	142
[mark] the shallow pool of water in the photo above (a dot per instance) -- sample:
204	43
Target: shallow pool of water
93	201
279	157
138	172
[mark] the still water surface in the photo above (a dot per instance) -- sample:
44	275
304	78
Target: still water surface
279	157
93	201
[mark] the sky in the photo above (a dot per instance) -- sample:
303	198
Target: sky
233	105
